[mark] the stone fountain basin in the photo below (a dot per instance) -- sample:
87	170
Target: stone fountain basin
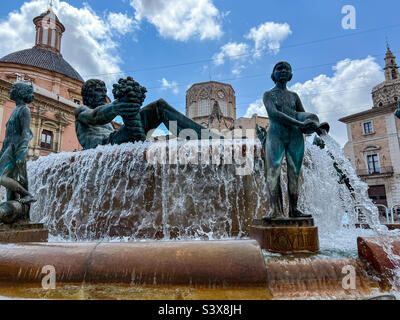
224	269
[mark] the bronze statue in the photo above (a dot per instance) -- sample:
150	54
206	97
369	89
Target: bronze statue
288	123
397	112
13	155
93	120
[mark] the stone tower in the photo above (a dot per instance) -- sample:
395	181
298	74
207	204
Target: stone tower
391	67
388	92
212	104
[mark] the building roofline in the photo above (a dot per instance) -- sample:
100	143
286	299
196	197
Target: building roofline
370	112
44	93
25	66
253	116
384	84
206	82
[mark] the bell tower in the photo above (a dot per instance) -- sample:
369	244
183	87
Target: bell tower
387	93
391	67
49	31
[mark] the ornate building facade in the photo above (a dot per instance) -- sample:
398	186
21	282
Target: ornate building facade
57	88
373	145
212	104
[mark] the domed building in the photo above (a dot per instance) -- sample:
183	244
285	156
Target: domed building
57	86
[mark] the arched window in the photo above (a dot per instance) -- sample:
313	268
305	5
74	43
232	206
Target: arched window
394	74
45	36
224	108
53	38
204	108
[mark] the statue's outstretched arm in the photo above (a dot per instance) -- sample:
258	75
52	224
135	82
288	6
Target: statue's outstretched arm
98	116
104	114
275	114
160	111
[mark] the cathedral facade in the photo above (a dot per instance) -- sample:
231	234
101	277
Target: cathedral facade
212	104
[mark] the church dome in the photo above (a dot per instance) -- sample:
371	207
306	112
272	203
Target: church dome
46	54
44	59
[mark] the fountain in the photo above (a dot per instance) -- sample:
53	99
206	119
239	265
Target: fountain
172	220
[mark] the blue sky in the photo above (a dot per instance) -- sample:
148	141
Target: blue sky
169	45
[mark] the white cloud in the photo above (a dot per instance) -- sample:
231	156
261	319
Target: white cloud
268	35
120	22
181	19
88	44
346	92
237	52
237	69
232	51
256	107
166	85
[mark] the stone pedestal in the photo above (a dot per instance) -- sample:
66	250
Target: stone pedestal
23	232
286	235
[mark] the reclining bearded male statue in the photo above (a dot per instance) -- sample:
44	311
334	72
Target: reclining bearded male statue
93	120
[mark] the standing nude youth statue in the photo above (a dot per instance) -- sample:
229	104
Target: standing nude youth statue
288	123
13	155
93	120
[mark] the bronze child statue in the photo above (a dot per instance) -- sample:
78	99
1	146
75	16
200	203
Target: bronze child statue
288	123
13	155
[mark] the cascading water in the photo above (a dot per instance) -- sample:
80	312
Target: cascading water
369	213
116	191
336	208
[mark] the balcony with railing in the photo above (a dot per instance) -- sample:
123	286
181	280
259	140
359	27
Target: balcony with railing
53	147
375	171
